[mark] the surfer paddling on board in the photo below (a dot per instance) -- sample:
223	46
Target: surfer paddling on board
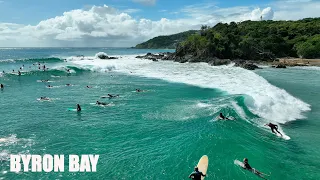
248	167
273	127
112	96
196	175
101	103
78	108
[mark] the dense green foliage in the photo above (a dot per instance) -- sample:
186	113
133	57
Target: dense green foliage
255	40
165	42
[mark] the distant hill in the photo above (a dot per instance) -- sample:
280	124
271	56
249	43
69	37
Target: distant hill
254	40
166	42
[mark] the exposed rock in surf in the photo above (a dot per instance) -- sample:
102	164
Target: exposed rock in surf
281	66
246	65
213	61
102	55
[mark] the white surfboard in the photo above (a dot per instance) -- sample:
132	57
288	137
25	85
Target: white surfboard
203	165
239	163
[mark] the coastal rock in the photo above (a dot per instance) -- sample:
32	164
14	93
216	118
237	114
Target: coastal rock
246	65
281	66
156	57
102	55
250	66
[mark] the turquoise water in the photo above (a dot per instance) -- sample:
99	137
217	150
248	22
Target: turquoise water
162	132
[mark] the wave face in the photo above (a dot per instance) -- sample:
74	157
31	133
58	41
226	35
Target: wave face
262	98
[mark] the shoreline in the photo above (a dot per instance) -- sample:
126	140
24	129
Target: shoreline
246	64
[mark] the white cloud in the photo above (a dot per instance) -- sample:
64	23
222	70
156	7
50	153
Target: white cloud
295	9
131	11
107	26
146	2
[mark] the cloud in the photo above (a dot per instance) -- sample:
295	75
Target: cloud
295	9
107	26
131	11
146	2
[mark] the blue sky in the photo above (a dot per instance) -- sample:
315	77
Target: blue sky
33	11
128	22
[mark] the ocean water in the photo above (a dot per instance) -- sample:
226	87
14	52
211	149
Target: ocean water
162	132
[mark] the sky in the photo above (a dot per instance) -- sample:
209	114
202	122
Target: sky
124	23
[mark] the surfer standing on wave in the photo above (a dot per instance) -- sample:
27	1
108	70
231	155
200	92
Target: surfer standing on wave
273	127
222	117
196	175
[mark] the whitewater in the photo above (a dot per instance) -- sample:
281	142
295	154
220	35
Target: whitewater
263	99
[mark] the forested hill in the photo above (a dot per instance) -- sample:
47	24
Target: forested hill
255	40
166	42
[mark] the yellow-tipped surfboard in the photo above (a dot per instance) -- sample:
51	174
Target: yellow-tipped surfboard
203	165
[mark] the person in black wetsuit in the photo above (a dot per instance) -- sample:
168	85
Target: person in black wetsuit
274	128
1	86
196	175
112	96
78	108
247	166
222	117
101	103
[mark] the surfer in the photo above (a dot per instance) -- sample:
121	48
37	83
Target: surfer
1	86
44	98
49	86
222	117
113	96
78	108
89	86
19	73
139	90
68	85
248	167
196	175
273	127
101	103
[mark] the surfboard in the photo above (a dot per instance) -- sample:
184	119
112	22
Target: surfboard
253	170
39	99
239	163
203	165
74	109
285	137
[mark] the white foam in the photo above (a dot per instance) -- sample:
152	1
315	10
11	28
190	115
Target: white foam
264	99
